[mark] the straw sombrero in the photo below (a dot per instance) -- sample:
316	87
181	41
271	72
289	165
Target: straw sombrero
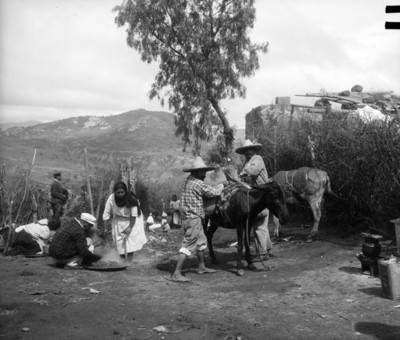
199	165
248	144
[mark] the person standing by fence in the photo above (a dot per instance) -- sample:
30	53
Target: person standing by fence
59	197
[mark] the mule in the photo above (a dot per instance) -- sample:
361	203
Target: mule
308	184
239	212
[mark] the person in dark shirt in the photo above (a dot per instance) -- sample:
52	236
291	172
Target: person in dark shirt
59	196
69	246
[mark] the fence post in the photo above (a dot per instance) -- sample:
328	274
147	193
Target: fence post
88	181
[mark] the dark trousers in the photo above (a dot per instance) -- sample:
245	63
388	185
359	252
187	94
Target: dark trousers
23	244
58	211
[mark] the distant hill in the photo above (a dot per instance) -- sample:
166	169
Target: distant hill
8	125
148	137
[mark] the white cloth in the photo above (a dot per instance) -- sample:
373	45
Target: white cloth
368	114
120	221
150	219
154	226
39	231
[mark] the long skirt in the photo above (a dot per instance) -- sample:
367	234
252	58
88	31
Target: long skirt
135	240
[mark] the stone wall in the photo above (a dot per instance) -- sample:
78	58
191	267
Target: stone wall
261	119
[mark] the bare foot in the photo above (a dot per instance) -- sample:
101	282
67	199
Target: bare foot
206	270
179	278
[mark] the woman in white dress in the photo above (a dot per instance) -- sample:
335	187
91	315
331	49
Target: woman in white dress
127	220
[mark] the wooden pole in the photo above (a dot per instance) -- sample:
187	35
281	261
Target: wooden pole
110	191
99	203
133	177
34	207
128	179
88	181
10	230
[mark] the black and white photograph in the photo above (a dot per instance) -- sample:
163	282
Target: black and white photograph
200	169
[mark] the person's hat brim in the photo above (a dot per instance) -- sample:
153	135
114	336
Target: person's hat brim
243	149
205	168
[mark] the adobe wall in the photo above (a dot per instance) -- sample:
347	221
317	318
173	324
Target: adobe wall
261	118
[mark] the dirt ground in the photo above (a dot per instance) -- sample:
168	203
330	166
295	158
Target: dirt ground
315	291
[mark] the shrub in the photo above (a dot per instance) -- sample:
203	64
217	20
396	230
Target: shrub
361	158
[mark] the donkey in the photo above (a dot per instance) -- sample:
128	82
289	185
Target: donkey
239	212
308	184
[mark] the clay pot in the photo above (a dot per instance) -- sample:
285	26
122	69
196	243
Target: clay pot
371	247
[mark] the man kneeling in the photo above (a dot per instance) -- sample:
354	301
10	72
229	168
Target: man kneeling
70	247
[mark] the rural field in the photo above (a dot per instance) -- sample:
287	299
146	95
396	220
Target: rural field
314	291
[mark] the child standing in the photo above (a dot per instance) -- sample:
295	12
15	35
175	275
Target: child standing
175	211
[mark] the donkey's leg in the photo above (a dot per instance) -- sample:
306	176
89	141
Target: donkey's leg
239	233
277	226
250	264
209	234
315	205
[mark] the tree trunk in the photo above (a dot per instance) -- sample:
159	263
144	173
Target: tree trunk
228	132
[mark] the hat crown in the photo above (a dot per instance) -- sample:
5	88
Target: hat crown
247	143
198	163
88	218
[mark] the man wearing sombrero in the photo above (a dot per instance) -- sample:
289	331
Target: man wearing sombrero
192	214
255	173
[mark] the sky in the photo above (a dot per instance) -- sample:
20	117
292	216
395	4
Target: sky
68	58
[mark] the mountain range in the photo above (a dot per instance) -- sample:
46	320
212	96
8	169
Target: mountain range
146	137
7	125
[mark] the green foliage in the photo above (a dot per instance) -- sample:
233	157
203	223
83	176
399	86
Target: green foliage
203	50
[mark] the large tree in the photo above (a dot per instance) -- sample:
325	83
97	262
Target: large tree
203	49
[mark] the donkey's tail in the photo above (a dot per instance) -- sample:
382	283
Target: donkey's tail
328	188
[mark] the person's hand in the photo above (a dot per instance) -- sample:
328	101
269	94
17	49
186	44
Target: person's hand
127	231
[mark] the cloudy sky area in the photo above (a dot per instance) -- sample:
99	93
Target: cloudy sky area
67	58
